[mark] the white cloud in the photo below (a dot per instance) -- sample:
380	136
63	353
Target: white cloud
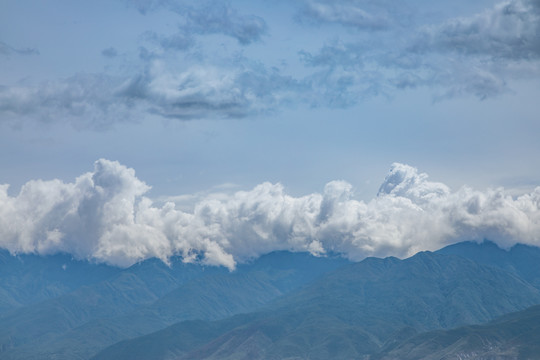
105	216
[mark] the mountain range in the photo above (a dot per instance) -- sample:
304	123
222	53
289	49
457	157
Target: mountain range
115	304
281	306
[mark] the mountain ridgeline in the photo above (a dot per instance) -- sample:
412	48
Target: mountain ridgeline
433	305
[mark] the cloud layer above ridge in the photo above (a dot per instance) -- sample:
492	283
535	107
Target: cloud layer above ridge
105	216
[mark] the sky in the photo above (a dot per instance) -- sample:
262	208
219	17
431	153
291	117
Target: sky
223	130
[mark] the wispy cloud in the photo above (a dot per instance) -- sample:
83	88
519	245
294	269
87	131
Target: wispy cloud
7	50
84	101
209	17
180	41
109	52
105	215
220	18
177	77
346	13
146	6
461	56
206	91
509	31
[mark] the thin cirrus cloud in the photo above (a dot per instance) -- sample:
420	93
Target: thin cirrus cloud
104	215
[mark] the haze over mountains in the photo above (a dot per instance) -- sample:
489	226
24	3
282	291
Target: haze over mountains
281	306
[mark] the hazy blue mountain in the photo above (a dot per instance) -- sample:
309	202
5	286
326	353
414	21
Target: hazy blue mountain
29	279
512	337
348	313
147	297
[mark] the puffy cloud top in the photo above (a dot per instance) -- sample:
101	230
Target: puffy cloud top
105	216
404	181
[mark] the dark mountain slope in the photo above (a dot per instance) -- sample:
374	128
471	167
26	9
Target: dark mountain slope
354	310
511	337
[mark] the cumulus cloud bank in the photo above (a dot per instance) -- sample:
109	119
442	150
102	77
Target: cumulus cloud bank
103	215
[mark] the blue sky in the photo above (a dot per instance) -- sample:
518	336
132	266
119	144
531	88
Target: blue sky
216	97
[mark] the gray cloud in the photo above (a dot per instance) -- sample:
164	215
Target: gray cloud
104	215
209	17
99	101
509	31
180	41
109	52
221	18
336	54
344	74
230	89
84	100
7	50
146	6
462	56
200	92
